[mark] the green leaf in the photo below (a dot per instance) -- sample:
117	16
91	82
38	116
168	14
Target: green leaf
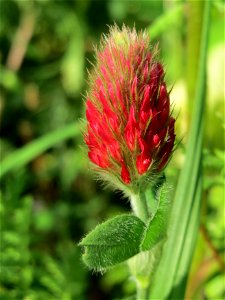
112	242
171	276
22	156
157	227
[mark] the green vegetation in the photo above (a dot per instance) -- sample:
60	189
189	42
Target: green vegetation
49	198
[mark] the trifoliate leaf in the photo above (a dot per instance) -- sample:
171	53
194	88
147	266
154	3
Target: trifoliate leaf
112	242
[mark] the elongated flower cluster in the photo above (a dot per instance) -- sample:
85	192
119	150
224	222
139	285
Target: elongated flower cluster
130	132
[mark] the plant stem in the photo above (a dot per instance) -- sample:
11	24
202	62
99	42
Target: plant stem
140	209
142	268
139	206
142	292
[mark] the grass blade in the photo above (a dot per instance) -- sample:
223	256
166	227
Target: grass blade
22	156
171	274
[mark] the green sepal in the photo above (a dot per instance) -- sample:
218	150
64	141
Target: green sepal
157	225
112	242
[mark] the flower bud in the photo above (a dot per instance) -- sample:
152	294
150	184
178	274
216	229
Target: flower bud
130	131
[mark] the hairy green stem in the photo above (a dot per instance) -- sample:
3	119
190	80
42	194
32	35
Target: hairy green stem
139	206
142	292
142	268
140	209
140	265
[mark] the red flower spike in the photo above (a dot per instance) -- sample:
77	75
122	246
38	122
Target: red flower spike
97	159
130	131
156	139
114	149
146	99
146	71
134	88
143	162
125	175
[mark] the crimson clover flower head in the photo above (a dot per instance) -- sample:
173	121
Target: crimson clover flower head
130	130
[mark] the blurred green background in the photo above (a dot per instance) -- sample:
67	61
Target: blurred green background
50	201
